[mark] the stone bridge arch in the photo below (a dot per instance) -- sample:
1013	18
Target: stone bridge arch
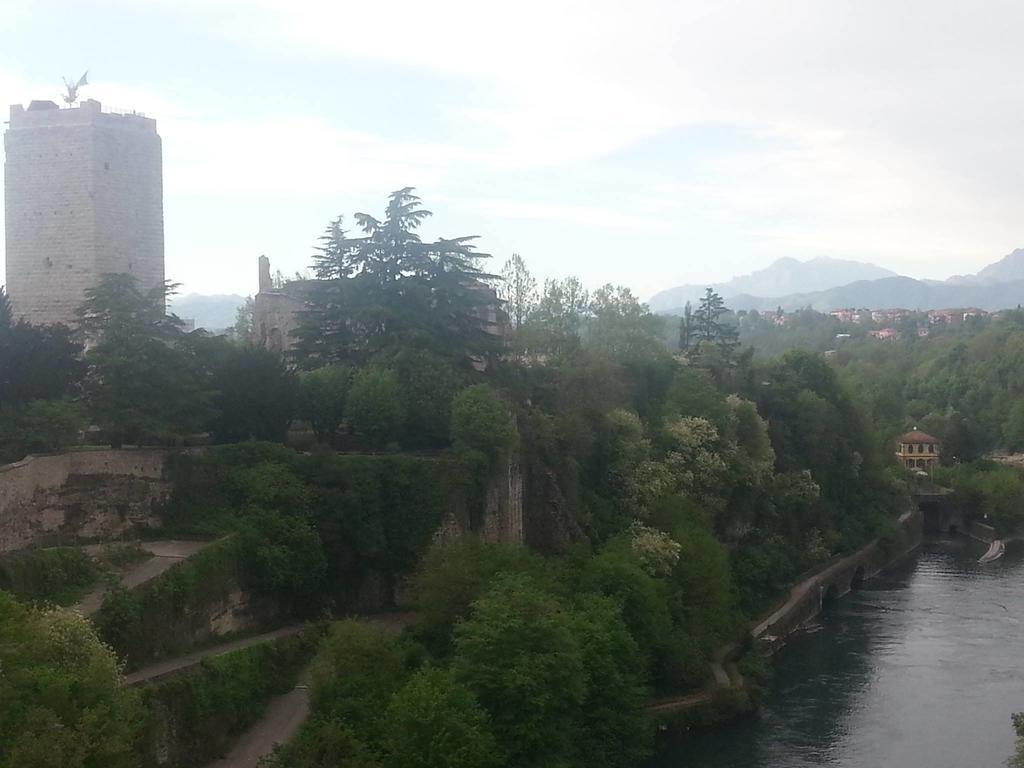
939	513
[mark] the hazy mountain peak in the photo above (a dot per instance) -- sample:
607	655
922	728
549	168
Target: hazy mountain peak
214	312
782	277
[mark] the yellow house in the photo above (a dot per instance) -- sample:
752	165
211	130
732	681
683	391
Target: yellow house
918	450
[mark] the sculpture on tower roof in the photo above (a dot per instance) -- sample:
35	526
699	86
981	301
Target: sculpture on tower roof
72	95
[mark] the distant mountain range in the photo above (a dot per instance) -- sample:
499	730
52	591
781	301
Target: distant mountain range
781	278
214	313
997	286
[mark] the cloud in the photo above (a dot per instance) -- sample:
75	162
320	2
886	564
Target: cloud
871	129
588	216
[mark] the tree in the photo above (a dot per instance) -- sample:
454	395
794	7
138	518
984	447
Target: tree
40	426
428	383
388	288
62	702
435	722
323	743
555	325
322	398
518	654
244	329
1013	429
621	325
6	312
708	326
617	733
141	381
452	576
356	671
518	290
333	259
254	393
686	329
283	557
37	363
481	421
375	406
1017	760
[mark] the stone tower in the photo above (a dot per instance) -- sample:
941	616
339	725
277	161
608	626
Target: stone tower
83	197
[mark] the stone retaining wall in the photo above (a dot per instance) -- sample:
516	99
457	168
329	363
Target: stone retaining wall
835	580
98	493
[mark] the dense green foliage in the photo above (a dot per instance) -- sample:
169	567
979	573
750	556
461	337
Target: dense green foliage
370	513
300	534
253	392
195	716
435	722
39	426
481	422
321	399
161	618
59	574
36	362
61	700
988	492
375	407
140	380
387	290
961	382
669	496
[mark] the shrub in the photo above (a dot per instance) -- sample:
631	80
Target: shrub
435	722
195	716
162	617
40	426
518	653
322	397
61	699
60	575
375	405
358	668
481	421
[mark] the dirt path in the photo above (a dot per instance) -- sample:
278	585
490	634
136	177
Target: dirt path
165	554
170	666
285	714
283	718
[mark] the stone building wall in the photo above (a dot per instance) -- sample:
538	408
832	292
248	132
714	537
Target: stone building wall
87	494
83	197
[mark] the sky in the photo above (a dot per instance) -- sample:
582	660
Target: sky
646	143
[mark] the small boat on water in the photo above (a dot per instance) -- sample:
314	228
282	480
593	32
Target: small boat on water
995	550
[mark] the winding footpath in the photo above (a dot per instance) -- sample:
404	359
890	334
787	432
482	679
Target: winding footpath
162	669
165	554
285	714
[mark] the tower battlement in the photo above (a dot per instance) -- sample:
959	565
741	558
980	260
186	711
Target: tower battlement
83	197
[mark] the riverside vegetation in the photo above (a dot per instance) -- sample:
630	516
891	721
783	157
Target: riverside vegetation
670	497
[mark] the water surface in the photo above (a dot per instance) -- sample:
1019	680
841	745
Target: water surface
920	669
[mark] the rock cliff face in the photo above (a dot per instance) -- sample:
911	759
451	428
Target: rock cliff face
503	511
551	525
502	521
82	494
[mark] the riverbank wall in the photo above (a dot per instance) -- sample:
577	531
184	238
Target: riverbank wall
836	578
805	601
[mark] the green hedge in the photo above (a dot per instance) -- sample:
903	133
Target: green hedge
60	575
196	716
375	514
162	617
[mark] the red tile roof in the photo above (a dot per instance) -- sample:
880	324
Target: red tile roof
916	436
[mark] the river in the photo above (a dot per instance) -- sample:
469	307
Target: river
920	669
